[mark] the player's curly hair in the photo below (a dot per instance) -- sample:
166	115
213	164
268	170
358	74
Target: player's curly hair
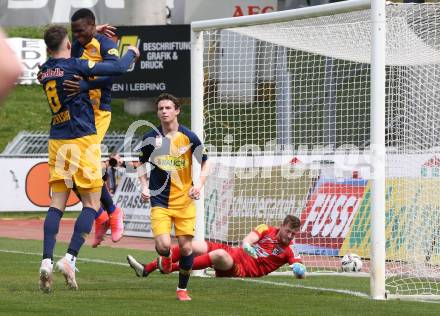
54	37
168	96
83	14
292	221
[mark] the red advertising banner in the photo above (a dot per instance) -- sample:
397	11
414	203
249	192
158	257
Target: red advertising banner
328	215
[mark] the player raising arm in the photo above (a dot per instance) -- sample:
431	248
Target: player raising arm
263	251
74	151
89	44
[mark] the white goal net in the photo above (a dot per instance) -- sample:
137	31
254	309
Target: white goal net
286	110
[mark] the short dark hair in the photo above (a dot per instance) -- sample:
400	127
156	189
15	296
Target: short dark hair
292	221
54	37
168	96
83	14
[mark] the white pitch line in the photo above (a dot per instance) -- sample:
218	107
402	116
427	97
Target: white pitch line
79	259
347	292
353	293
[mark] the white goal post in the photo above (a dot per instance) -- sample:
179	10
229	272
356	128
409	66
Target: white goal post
330	113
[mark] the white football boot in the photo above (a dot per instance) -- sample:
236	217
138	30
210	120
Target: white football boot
46	270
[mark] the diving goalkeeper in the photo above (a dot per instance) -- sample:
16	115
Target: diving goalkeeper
264	250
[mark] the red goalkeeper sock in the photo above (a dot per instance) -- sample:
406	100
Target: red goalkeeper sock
175	253
150	267
202	262
175	267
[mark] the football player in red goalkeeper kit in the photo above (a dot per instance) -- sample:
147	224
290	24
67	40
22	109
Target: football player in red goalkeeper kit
263	251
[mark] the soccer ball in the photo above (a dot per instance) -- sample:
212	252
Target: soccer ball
351	263
299	270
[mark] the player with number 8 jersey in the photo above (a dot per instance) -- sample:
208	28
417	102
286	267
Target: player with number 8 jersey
73	119
74	151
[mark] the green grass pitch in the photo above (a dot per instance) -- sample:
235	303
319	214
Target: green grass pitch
109	287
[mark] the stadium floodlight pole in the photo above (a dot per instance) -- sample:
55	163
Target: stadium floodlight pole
197	125
377	151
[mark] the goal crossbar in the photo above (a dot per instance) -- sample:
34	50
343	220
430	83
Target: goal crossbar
282	16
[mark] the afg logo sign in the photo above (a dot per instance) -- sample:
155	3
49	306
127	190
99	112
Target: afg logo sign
329	214
38	189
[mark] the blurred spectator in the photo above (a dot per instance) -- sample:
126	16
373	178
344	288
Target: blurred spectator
10	67
114	168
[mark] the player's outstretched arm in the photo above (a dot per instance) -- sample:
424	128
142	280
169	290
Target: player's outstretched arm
112	68
80	85
248	243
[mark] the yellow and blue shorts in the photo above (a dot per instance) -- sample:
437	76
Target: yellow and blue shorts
102	122
184	220
75	162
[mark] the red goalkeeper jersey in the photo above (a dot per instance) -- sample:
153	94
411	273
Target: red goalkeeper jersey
271	254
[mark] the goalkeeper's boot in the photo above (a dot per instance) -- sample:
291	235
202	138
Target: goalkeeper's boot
101	227
117	224
67	268
165	264
182	295
138	267
46	279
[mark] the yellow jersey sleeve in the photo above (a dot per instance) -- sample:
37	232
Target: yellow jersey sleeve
260	229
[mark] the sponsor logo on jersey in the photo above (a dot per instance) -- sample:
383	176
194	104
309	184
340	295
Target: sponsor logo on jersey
57	72
170	163
277	250
113	51
60	117
261	253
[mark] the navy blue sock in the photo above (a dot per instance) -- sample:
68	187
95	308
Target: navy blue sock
164	254
185	264
51	226
107	201
83	226
99	212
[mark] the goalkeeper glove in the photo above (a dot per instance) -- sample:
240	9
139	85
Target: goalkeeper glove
250	250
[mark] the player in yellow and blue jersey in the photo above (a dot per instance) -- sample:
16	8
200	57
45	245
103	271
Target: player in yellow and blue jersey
90	45
74	151
169	150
